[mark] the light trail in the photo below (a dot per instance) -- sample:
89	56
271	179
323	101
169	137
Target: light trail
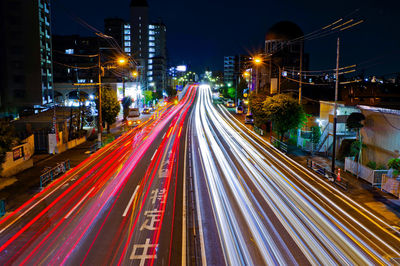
317	231
83	208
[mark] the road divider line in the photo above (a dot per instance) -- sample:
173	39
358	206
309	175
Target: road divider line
152	157
79	203
130	202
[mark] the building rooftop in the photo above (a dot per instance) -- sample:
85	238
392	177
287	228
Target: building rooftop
284	30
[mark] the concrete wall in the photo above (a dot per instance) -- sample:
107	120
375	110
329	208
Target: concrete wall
11	166
381	134
60	147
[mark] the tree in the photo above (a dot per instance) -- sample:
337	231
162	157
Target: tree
285	113
7	139
109	106
170	91
228	92
148	96
241	87
256	104
354	123
126	103
315	136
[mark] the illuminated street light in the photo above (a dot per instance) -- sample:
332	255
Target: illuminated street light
121	61
246	74
257	60
135	74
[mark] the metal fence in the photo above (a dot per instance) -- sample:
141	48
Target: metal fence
374	177
323	171
54	172
390	185
279	144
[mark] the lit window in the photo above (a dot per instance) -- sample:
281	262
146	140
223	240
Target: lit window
127	31
151	44
152	50
127	37
69	51
151	32
151	27
127	26
127	49
151	38
150	61
150	67
150	78
151	55
127	43
149	73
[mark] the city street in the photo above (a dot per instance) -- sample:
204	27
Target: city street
193	185
111	208
267	209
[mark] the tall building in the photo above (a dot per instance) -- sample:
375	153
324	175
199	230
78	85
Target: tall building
229	69
157	62
120	30
140	36
234	66
68	51
26	73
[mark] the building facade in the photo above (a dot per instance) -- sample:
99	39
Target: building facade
139	23
157	62
26	51
234	66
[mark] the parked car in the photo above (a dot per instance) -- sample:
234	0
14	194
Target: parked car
146	111
134	112
249	119
230	103
239	109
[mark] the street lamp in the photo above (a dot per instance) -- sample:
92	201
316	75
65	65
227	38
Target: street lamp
257	62
122	61
135	74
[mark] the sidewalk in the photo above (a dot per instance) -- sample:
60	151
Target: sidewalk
26	184
18	189
381	203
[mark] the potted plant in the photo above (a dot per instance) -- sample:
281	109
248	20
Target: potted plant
394	166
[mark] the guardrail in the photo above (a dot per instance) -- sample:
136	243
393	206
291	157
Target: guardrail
323	171
96	146
2	208
259	131
279	144
54	172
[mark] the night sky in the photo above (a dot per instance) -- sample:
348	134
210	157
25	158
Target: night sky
200	33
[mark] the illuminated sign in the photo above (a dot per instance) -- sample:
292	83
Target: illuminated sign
18	153
181	68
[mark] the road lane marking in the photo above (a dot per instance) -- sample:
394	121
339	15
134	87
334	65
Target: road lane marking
152	157
183	263
79	203
130	202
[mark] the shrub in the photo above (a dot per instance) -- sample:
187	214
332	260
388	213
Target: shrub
372	165
381	167
394	163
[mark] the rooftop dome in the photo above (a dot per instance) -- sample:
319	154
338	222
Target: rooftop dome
284	30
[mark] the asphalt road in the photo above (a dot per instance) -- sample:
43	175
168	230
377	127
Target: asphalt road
193	186
266	209
117	207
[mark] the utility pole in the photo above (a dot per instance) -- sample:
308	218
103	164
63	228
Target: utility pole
100	125
335	108
301	69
